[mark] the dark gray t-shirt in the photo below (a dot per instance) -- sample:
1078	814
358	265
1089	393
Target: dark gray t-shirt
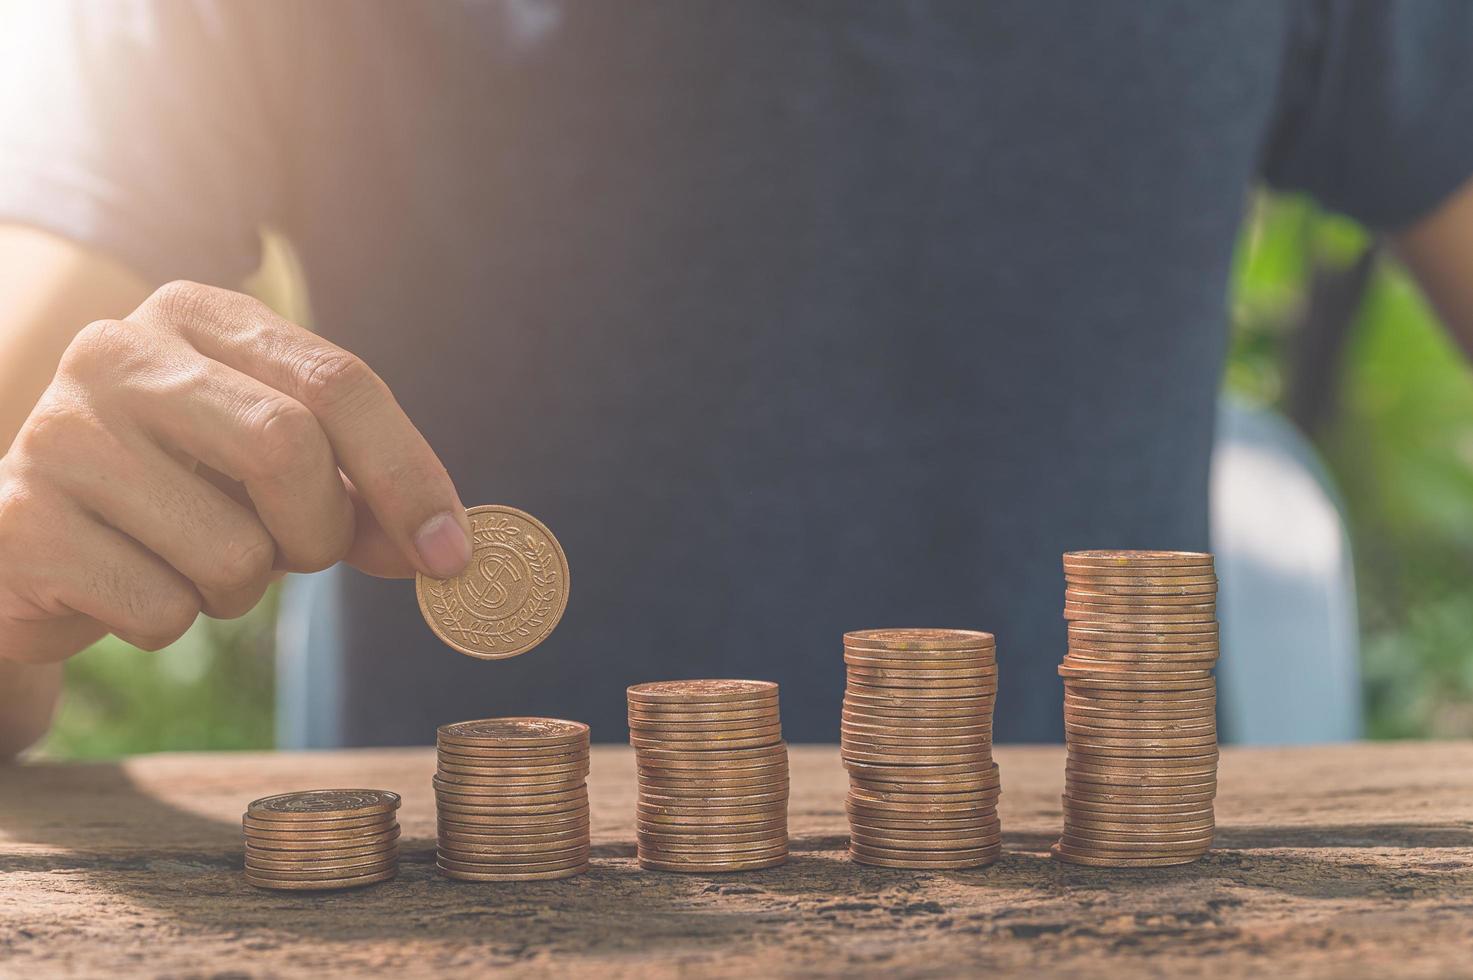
788	317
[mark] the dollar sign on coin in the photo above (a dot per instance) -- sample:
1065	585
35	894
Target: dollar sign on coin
509	597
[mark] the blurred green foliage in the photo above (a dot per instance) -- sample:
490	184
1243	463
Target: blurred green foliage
1399	441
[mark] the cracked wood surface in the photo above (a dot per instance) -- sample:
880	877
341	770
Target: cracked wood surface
1351	860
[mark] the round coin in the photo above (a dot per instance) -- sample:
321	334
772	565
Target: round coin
918	864
714	867
1090	860
918	640
363	863
512	732
322	804
722	691
453	871
354	881
511	594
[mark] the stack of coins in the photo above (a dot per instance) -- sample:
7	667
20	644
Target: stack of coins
917	741
713	775
1139	708
322	839
511	799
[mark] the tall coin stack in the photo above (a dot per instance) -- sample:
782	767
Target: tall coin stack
322	839
511	799
1139	708
713	775
916	737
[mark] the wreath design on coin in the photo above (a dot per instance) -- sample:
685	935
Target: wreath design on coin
467	627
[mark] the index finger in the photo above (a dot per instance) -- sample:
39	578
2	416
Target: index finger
399	476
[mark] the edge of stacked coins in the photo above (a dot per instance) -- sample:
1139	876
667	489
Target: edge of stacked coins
1140	721
713	775
315	840
511	799
916	738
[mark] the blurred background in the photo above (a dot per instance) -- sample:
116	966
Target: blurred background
1327	330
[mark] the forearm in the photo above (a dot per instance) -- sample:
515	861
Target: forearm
1439	252
49	290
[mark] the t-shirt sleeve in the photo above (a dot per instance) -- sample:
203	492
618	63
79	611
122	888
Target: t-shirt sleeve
1376	111
138	127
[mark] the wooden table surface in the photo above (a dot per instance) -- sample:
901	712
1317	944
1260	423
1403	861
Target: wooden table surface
1331	861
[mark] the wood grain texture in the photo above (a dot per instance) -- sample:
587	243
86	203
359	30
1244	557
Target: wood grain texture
1333	861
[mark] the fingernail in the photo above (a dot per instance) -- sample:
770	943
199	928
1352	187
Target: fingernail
442	545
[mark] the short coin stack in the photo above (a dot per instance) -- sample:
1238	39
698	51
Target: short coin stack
713	775
322	839
917	741
1139	708
511	799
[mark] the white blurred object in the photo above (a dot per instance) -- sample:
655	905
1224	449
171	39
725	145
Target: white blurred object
1290	668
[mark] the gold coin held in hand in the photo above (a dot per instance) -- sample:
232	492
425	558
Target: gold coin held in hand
509	597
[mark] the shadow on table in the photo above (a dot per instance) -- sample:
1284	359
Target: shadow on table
125	841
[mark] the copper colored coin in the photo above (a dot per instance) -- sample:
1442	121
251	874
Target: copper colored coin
918	640
1201	591
1099	686
1105	699
324	875
309	842
527	770
682	779
510	596
723	691
908	757
692	719
707	733
564	808
528	859
453	872
712	838
980	685
1090	860
888	714
981	852
512	733
777	823
857	694
318	854
667	758
759	815
917	864
1160	634
1085	752
354	881
709	804
1136	558
979	661
861	795
536	797
478	785
1167	597
357	864
368	825
1143	843
527	842
756	741
869	741
690	728
1139	619
665	864
493	790
1163	669
1163	795
900	841
1132	741
499	829
502	870
1076	824
918	722
1136	660
1144	810
1140	606
707	849
866	770
902	735
324	804
1076	668
1090	713
776	784
1141	776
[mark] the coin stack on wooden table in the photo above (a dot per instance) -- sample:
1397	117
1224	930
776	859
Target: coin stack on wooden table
511	799
322	839
713	775
1140	704
916	737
